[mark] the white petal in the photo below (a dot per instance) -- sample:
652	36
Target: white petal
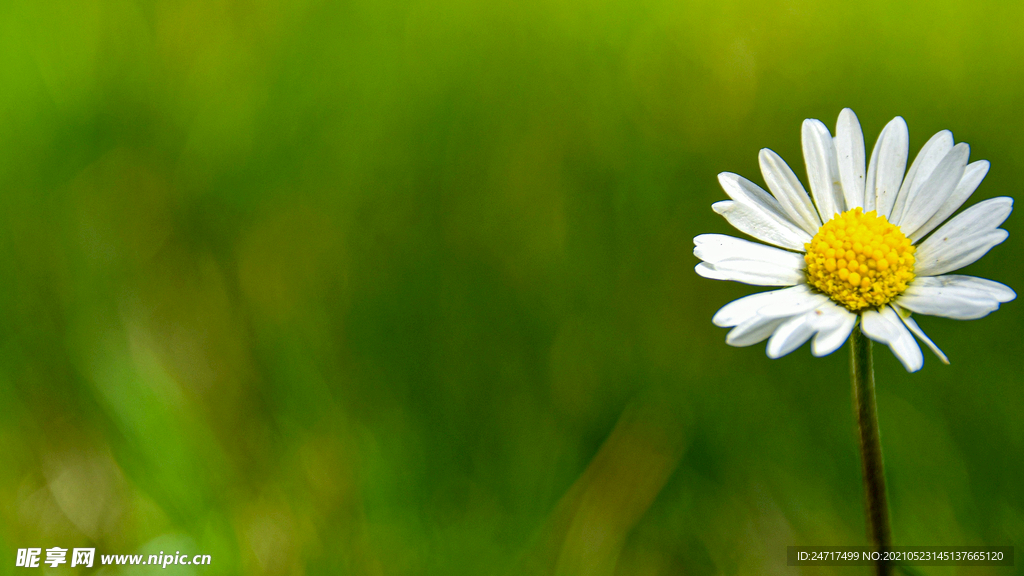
742	190
762	224
966	286
934	193
888	163
871	176
912	325
850	156
999	292
885	326
937	303
719	248
787	189
784	308
757	274
728	258
973	175
954	296
753	331
970	251
739	311
758	213
822	169
835	330
826	317
790	335
933	151
964	239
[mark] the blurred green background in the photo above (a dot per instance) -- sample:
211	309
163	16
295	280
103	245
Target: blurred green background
406	287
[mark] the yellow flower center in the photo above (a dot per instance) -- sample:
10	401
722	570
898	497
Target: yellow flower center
860	260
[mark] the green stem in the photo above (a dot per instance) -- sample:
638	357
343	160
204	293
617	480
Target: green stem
875	503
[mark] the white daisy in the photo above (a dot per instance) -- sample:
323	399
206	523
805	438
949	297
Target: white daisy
867	247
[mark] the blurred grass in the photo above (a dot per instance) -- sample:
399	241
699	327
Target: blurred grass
406	287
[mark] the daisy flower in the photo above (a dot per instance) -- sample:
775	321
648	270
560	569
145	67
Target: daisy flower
865	246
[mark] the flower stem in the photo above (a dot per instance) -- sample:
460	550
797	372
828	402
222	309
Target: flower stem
876	505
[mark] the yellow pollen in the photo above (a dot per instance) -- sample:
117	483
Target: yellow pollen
860	260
